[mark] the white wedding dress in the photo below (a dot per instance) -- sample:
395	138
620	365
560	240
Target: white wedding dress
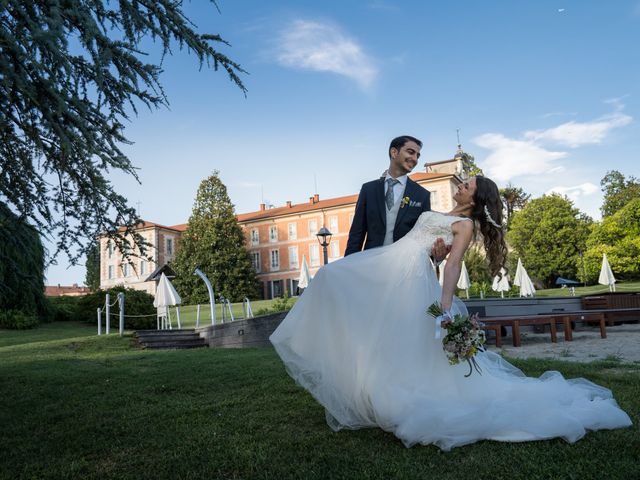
360	341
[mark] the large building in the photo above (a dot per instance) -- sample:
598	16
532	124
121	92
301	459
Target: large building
277	238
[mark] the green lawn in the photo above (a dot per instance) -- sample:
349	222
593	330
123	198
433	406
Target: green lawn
625	287
75	405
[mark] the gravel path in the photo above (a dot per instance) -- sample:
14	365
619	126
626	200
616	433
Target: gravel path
622	343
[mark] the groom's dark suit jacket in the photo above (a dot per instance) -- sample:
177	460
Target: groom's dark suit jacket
370	218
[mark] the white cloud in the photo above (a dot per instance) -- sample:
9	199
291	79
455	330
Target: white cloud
322	47
512	158
575	192
576	134
532	155
558	114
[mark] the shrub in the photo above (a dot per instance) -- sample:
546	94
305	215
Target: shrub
279	304
136	302
64	309
17	320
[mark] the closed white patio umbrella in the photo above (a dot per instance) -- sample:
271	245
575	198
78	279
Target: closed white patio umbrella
501	284
606	274
463	282
166	296
305	277
523	281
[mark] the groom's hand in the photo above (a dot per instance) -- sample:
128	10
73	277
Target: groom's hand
439	250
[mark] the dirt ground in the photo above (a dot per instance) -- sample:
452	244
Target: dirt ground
622	343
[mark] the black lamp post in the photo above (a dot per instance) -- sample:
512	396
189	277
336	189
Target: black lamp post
324	238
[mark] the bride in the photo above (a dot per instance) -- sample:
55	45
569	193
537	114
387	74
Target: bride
360	341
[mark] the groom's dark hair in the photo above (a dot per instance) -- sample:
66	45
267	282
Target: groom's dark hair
399	142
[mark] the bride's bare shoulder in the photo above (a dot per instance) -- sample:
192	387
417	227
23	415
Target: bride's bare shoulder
462	224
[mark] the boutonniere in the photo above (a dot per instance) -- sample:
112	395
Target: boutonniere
404	201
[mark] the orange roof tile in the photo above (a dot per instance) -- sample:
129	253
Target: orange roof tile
181	227
420	176
298	208
144	225
65	290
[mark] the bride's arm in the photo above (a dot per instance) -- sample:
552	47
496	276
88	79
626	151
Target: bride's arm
462	234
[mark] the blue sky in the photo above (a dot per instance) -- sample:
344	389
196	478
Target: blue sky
545	94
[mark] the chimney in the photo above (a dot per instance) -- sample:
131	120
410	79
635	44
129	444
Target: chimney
311	200
263	207
75	285
316	198
289	203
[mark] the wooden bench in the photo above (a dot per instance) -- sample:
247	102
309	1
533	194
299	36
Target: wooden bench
497	329
551	319
612	314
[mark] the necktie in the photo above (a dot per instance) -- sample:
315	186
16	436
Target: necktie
388	198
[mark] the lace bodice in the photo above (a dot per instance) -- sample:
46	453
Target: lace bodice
433	225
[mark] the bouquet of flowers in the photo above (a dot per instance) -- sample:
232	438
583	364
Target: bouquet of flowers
464	337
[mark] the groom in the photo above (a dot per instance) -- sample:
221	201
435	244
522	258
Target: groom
389	207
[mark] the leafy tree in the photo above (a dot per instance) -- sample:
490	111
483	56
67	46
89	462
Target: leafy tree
618	191
21	266
618	235
468	163
476	263
548	234
92	275
71	74
214	243
514	199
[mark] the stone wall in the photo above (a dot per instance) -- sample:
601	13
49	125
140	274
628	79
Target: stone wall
249	332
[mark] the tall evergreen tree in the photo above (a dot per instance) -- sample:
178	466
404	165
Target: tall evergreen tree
92	275
21	265
618	191
514	199
214	243
71	74
549	234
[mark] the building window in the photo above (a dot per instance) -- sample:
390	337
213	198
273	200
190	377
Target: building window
293	231
255	261
126	270
333	224
293	257
313	227
255	237
169	246
273	233
314	254
111	272
334	249
275	260
143	267
109	248
435	199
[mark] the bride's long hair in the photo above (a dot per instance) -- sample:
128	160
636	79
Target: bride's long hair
487	212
